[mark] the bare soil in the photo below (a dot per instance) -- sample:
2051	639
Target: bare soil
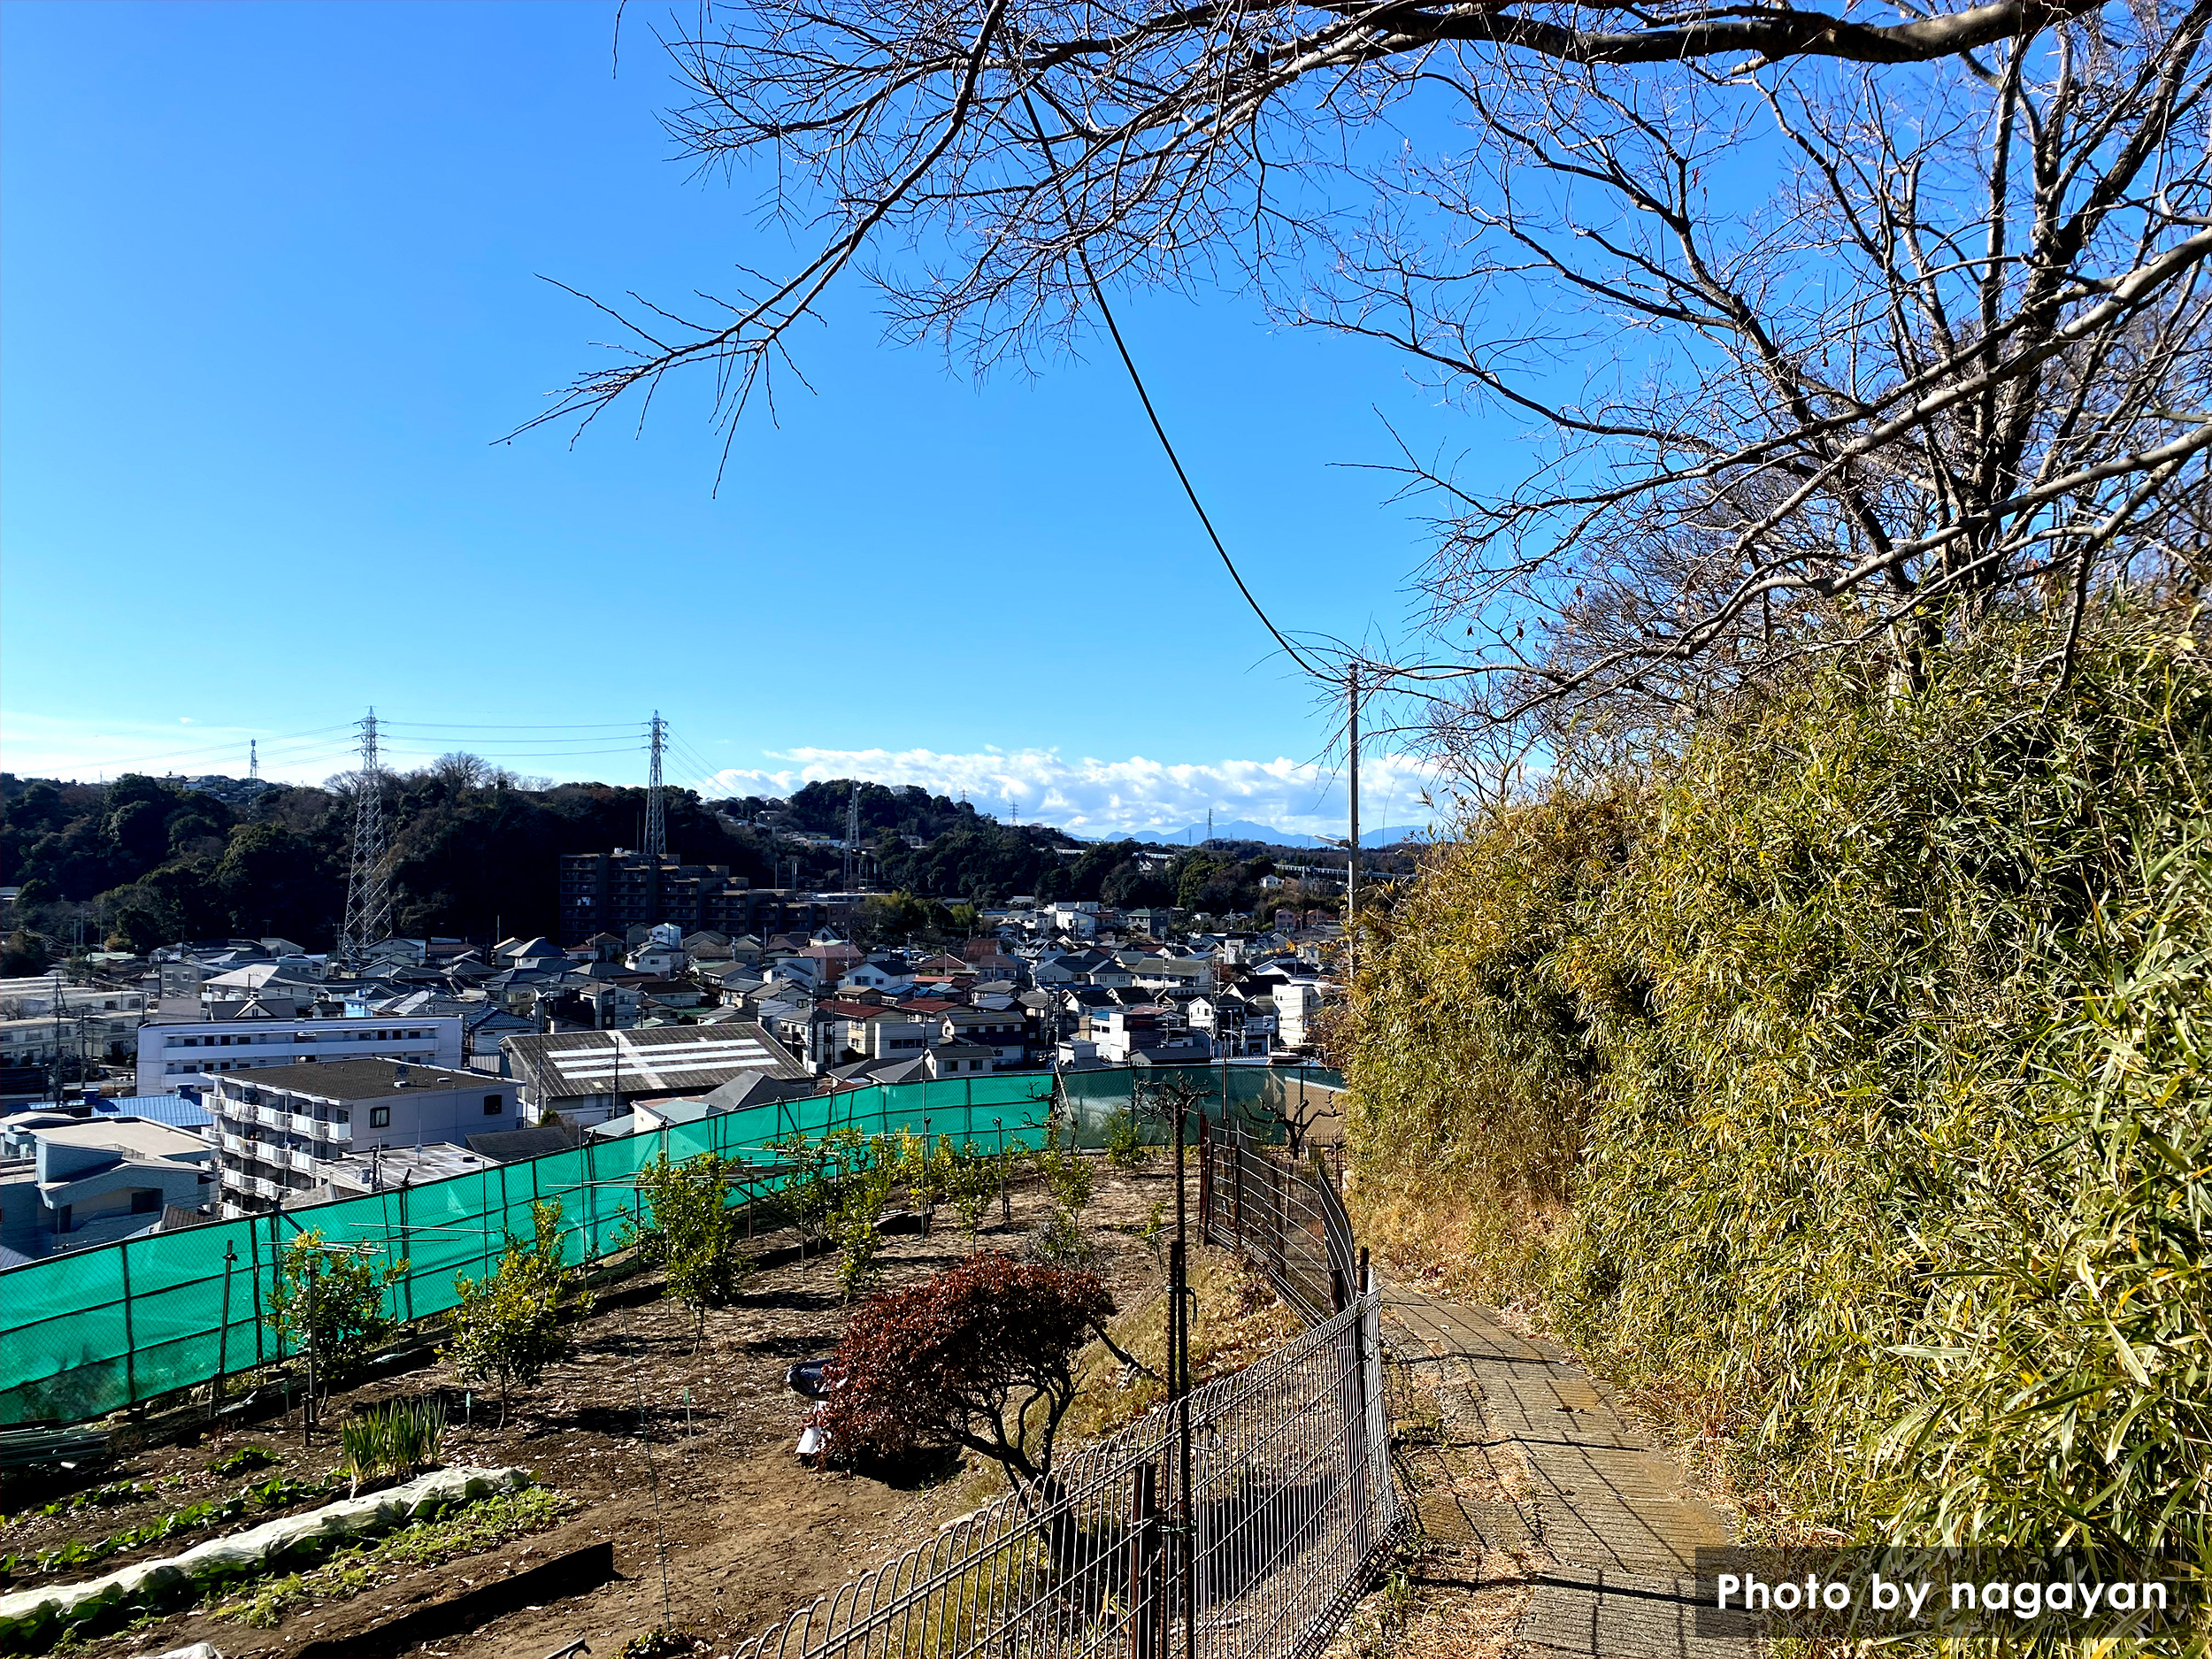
682	1455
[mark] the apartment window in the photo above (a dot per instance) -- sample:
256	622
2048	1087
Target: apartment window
380	1117
495	1104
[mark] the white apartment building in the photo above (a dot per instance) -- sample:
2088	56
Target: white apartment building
26	998
174	1054
1295	1005
282	1130
102	1022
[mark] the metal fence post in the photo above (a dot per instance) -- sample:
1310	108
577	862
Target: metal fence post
222	1335
253	1247
1146	1602
130	1340
1205	1180
1236	1164
407	1243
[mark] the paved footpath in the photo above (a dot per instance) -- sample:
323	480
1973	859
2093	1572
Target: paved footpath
1601	1516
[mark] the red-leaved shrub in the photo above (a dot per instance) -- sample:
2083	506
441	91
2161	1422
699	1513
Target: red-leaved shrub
982	1356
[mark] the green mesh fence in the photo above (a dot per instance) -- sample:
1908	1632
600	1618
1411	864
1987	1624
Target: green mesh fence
86	1334
1263	1097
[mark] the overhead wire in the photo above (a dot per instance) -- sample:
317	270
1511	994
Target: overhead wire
1159	431
578	726
216	748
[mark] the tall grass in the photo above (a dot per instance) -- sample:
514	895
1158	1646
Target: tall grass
1839	1086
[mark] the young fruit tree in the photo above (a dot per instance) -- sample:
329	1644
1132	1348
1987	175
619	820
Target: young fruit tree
982	1356
687	1228
508	1327
329	1302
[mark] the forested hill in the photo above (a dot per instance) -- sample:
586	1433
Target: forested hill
144	861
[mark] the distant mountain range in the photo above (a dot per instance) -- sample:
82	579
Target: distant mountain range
1244	830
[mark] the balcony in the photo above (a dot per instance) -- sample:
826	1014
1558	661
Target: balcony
301	1123
266	1188
238	1145
342	1134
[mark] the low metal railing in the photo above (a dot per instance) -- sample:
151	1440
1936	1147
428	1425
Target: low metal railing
1288	1511
1283	1215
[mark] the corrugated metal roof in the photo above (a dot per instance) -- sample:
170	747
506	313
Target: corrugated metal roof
570	1063
178	1111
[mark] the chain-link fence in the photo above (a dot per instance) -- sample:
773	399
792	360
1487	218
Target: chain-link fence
1286	1469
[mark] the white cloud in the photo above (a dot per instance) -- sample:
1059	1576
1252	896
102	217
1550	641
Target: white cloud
1087	796
1100	796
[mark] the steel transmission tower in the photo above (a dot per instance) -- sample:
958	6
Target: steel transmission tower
656	814
368	883
852	838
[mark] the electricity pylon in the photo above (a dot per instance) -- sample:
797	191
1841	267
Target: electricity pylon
368	882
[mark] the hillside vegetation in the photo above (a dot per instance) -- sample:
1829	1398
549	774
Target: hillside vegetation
1839	1086
474	851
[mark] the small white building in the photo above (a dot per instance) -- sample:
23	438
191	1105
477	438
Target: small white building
1296	1003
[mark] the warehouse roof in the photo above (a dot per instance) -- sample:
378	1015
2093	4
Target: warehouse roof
657	1059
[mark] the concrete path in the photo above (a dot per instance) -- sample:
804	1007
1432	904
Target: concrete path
1598	1517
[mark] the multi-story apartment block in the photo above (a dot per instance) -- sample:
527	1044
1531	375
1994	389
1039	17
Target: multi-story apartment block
614	892
286	1129
179	1054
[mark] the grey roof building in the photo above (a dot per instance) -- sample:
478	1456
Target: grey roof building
590	1076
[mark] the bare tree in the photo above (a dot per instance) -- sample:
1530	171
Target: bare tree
1828	326
1954	357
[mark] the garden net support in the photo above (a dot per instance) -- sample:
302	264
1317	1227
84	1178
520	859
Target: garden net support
93	1330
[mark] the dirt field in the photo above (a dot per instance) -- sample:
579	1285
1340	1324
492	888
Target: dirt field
710	1489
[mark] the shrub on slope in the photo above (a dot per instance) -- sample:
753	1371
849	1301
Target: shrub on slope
1859	1026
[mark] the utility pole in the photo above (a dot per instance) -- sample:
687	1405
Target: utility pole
852	838
56	1011
1351	861
368	883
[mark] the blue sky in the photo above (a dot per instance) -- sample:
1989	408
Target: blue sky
272	276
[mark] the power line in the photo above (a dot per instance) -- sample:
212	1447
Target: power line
1098	294
229	745
576	726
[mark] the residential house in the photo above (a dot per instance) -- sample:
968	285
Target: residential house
1185	973
886	974
662	955
1223	1018
1005	1032
707	946
960	1059
67	1184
